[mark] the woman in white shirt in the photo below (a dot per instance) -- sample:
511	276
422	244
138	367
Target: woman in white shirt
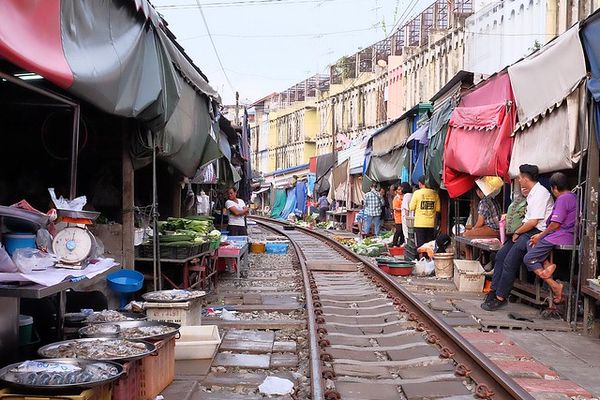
406	198
236	211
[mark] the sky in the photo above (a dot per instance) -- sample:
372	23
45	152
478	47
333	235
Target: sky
266	46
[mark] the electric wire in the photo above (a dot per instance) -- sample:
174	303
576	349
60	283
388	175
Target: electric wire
284	35
242	3
215	48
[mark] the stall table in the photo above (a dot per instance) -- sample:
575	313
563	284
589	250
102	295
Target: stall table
337	217
470	246
204	264
10	296
240	257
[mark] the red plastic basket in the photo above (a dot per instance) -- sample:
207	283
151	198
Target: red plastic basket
396	251
157	372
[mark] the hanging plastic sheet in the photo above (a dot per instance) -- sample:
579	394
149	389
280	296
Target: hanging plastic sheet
311	178
324	165
479	140
390	137
340	181
438	129
301	192
416	143
278	203
290	204
590	34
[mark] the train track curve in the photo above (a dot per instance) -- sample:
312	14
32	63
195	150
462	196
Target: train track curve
370	338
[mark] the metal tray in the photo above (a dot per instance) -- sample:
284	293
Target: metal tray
135	324
150	348
131	316
61	387
152	296
17	217
91	215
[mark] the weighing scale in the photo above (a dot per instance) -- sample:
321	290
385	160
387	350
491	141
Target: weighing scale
74	244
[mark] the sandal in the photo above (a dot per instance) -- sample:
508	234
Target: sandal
559	298
547	271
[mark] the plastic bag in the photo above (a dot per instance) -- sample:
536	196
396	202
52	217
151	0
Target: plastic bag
6	263
424	267
43	240
28	260
273	385
61	203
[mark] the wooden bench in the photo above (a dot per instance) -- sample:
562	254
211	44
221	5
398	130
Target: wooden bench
471	246
533	292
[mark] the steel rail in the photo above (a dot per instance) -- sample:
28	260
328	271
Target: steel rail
313	339
491	381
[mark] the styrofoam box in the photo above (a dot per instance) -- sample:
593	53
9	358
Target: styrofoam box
469	276
197	342
184	313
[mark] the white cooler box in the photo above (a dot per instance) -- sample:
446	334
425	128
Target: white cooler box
197	342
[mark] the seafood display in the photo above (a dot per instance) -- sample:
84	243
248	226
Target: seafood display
154	330
110	316
171	296
98	349
48	374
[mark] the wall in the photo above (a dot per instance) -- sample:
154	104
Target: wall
504	32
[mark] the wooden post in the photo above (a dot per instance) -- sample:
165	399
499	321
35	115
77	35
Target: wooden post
128	199
590	258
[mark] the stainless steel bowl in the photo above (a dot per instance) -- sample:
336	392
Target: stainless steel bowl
149	349
124	325
6	371
171	296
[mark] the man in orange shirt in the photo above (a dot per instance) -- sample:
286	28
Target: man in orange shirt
397	206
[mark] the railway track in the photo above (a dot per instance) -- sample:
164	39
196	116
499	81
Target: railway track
369	338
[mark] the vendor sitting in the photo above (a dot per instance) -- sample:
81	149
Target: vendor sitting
510	257
488	217
560	230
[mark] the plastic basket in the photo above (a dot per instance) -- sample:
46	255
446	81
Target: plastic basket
157	372
197	342
469	276
126	388
214	245
103	392
183	313
276	248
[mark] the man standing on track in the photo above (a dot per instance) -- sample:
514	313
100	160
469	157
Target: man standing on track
373	203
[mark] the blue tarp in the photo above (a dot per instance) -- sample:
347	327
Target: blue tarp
417	143
590	35
312	178
290	204
300	209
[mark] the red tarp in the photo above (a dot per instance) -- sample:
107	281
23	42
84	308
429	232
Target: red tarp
30	37
479	136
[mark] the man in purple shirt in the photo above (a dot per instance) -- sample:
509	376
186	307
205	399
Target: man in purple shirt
560	230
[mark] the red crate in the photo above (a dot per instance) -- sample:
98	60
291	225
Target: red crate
157	372
127	387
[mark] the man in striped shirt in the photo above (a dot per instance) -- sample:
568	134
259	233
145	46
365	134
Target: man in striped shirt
373	203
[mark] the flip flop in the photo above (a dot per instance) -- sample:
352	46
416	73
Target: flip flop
547	271
559	299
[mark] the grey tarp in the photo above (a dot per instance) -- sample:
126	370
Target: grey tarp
324	166
388	167
438	128
119	57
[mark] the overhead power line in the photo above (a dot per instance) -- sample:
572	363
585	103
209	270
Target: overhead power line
283	35
215	48
240	3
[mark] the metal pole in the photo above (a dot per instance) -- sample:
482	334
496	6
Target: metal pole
156	245
74	152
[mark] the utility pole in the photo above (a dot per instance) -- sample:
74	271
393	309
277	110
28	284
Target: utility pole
333	130
236	119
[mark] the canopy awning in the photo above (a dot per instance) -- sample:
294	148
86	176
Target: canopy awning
388	167
390	137
590	34
479	140
121	59
543	80
561	128
355	155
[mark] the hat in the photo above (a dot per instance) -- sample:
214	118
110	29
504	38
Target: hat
531	170
490	185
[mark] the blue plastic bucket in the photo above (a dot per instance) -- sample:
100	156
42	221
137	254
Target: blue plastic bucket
14	241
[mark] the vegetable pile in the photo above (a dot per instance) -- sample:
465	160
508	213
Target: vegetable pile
185	232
